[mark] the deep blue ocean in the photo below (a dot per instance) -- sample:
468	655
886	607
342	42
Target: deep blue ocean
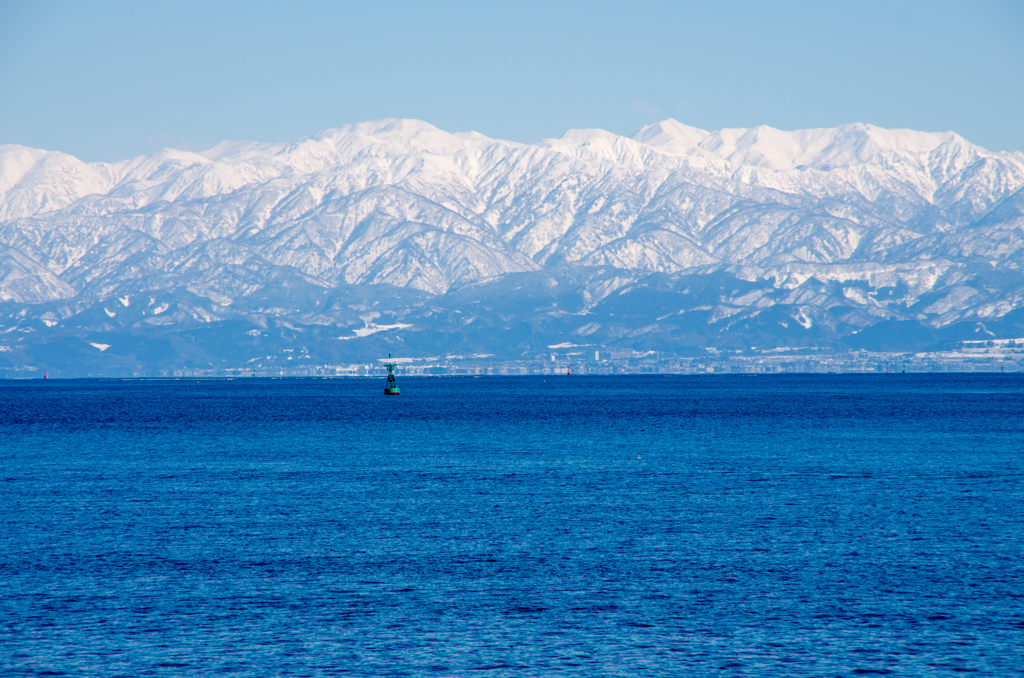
806	525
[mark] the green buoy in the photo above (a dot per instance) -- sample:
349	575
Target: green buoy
391	388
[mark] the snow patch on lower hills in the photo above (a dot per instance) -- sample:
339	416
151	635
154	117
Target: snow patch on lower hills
373	329
722	312
803	320
856	295
956	298
587	329
920	276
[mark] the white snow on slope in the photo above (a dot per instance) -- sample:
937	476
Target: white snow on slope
403	202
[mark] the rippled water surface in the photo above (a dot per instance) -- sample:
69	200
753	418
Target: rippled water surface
770	526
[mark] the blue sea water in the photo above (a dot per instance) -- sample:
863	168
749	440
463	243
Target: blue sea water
822	525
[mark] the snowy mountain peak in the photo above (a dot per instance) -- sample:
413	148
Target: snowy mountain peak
405	134
779	150
671	136
241	151
34	181
597	145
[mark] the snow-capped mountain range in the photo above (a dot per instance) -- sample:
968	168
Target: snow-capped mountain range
843	227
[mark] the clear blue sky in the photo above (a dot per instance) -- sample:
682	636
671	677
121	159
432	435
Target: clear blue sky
111	80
